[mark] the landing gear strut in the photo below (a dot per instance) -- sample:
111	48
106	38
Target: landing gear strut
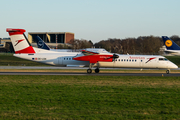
89	70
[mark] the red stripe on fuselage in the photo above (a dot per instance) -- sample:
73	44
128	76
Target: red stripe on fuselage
26	50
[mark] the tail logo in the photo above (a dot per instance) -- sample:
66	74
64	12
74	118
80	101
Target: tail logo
18	41
40	44
168	43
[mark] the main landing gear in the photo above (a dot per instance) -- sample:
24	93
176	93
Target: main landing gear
97	70
90	70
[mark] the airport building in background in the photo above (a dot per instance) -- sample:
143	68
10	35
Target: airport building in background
6	45
52	39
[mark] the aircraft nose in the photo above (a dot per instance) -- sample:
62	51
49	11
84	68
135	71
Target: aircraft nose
174	66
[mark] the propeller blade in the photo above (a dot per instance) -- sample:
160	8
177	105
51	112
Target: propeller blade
115	56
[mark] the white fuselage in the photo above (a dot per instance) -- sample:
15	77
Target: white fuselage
124	61
173	52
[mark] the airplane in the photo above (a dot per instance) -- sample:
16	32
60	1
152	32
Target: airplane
24	50
171	46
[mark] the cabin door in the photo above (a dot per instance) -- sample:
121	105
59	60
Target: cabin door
60	60
141	63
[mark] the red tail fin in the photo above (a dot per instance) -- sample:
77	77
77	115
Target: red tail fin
19	41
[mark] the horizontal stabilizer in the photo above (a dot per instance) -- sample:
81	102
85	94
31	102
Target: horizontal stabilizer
19	41
21	44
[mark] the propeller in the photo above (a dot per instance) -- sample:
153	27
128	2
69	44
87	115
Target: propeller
115	56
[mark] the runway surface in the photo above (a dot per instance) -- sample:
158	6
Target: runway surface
9	72
92	74
66	68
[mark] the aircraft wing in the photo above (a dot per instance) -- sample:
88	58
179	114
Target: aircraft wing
85	52
94	57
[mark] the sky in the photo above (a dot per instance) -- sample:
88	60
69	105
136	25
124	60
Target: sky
93	20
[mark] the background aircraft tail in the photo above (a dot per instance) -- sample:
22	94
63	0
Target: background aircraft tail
41	44
170	44
19	41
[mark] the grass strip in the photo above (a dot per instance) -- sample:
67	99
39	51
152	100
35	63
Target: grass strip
89	97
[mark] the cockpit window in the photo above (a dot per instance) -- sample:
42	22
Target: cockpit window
163	59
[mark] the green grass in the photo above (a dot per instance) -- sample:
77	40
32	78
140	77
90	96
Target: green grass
89	97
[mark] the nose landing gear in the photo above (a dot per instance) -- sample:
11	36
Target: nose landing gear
167	71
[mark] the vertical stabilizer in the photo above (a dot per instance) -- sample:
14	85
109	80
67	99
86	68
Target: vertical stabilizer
41	44
19	41
170	44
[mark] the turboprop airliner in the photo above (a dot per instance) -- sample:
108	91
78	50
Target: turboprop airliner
171	46
24	50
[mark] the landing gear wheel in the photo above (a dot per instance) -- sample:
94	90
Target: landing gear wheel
89	71
97	70
167	71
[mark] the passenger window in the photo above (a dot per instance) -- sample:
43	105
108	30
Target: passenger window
129	60
121	59
135	60
141	60
124	60
132	60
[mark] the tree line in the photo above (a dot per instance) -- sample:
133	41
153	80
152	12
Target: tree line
148	45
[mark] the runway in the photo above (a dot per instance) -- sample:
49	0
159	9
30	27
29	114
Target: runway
92	74
66	68
7	70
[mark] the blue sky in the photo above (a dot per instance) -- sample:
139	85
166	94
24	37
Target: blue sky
94	20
